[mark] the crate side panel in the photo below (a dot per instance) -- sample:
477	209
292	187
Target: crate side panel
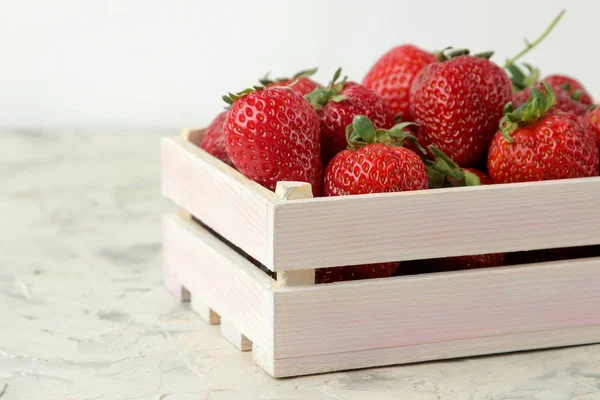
412	310
425	224
216	194
221	278
435	351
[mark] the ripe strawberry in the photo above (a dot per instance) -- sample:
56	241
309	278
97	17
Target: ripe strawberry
394	72
592	120
466	262
534	145
273	135
374	163
213	139
338	103
564	102
572	86
354	272
300	82
458	102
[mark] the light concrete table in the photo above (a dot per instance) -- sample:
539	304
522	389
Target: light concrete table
83	314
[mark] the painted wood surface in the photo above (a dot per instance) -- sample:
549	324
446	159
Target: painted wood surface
435	223
433	351
225	282
219	196
438	307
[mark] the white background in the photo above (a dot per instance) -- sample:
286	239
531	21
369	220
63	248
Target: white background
152	64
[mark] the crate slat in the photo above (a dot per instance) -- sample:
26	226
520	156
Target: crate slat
223	280
440	307
218	195
425	224
286	367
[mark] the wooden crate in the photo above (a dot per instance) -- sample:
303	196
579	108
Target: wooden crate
295	327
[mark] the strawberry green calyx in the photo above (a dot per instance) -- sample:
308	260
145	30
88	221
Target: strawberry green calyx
361	132
449	53
321	96
230	98
523	79
536	106
265	80
444	172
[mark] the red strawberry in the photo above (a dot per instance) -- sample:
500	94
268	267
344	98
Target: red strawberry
534	145
354	272
213	139
572	86
394	72
300	82
338	103
458	102
374	163
273	135
466	262
371	165
592	120
564	102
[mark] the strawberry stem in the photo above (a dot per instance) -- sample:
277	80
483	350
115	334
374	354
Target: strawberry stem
531	45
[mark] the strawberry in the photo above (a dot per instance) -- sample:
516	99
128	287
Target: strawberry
374	163
592	120
458	102
534	144
571	86
466	262
394	72
354	272
338	103
300	82
273	135
213	139
564	102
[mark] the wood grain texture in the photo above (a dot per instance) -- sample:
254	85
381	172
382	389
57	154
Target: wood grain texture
431	308
219	196
225	282
286	367
425	224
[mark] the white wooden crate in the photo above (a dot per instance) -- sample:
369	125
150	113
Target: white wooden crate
295	327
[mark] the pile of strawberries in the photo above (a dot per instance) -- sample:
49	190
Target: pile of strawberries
419	120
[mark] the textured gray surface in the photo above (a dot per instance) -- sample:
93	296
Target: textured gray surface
83	314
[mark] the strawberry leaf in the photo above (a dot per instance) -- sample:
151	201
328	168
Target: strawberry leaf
361	132
444	172
319	97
